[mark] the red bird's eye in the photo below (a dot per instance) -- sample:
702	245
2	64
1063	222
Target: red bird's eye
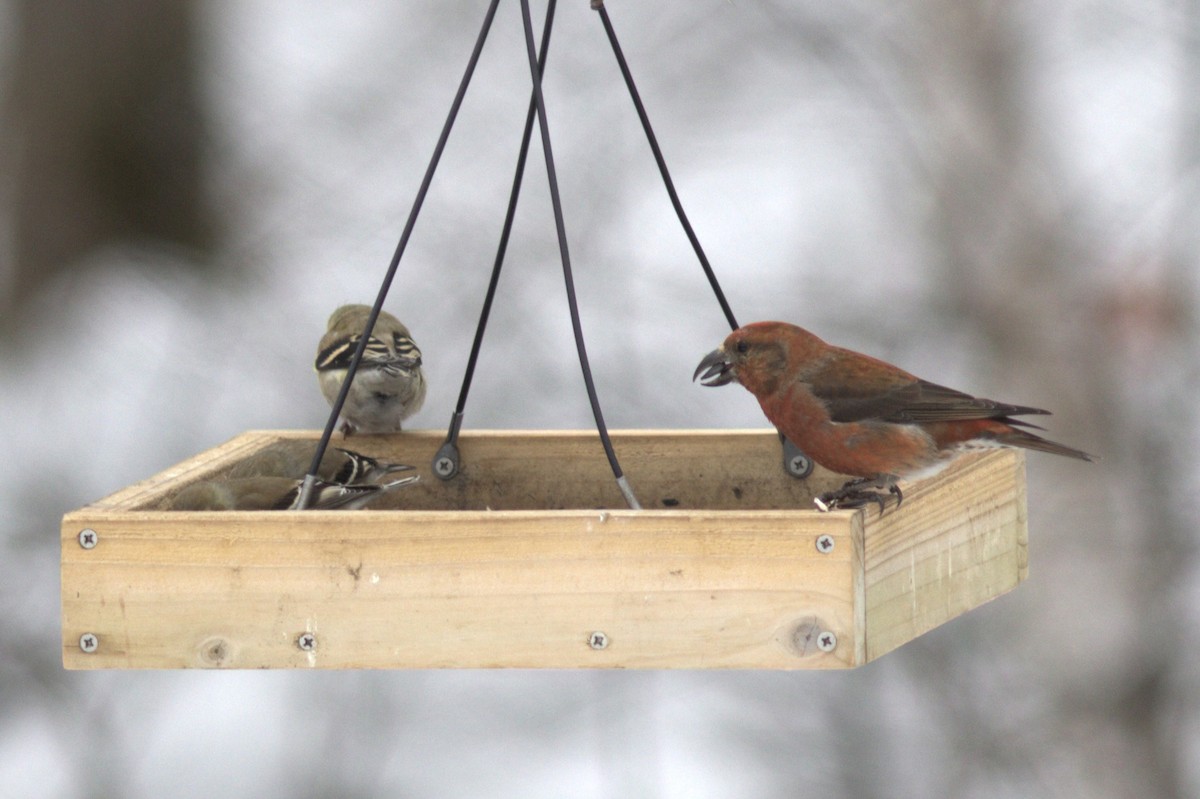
742	347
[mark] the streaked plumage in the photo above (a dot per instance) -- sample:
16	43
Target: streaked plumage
277	493
389	385
291	458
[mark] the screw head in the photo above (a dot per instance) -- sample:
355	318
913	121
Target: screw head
88	538
824	544
89	642
307	642
444	467
798	465
598	640
826	641
795	462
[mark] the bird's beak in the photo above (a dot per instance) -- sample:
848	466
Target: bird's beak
403	364
403	481
715	369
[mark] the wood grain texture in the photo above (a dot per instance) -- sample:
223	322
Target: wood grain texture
965	542
529	552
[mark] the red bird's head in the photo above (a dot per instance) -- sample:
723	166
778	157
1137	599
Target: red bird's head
758	356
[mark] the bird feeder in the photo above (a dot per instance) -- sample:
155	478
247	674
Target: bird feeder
518	549
530	559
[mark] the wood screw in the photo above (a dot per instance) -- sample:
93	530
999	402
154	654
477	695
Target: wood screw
88	538
824	544
89	642
307	642
598	640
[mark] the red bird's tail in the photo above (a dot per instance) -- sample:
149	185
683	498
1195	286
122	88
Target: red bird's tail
1015	437
1001	431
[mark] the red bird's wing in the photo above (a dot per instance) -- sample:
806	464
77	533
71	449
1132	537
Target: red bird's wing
856	387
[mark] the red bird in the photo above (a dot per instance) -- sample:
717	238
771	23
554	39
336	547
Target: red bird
860	416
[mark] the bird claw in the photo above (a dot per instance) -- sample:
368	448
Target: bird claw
856	494
851	501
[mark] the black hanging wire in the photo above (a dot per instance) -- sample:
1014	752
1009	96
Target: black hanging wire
795	462
446	461
323	444
598	5
560	227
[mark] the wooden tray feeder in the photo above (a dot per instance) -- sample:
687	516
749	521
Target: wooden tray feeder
529	558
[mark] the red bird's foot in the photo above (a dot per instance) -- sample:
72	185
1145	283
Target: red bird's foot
857	493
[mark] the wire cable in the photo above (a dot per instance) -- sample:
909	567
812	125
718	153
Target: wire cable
598	5
560	227
796	463
446	459
335	411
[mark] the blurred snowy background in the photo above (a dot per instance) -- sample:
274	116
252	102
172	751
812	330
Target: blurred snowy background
1000	196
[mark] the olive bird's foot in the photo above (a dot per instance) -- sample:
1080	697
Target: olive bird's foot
858	493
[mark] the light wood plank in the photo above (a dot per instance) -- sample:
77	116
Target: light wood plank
523	589
959	541
546	470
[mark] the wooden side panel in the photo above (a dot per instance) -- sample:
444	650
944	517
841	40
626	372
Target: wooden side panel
204	466
480	590
959	540
548	470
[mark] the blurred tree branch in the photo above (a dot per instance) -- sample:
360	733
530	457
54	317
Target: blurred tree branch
103	135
